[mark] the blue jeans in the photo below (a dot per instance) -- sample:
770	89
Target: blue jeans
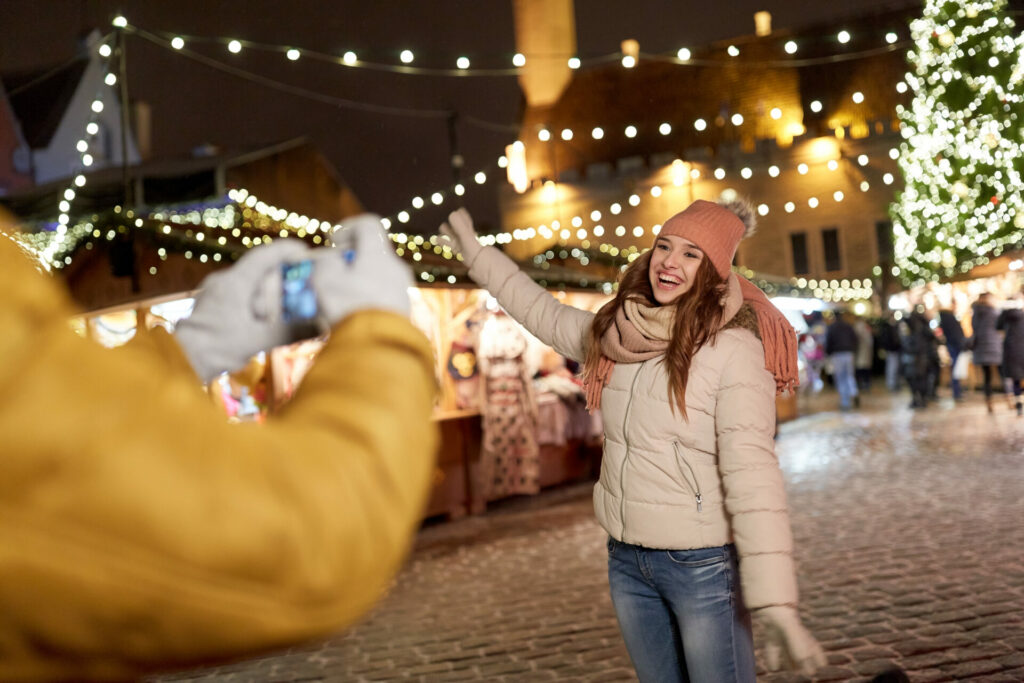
954	352
892	370
842	373
681	613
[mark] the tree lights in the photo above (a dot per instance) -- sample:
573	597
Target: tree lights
961	155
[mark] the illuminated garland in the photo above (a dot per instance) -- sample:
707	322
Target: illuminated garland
962	154
216	231
51	250
462	66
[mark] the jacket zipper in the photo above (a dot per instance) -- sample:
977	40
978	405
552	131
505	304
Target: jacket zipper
696	484
625	457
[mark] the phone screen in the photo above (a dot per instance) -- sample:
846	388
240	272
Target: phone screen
298	298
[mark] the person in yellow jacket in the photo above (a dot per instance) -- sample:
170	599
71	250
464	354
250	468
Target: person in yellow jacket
139	531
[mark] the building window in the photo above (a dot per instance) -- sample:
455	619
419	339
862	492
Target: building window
883	238
830	242
798	242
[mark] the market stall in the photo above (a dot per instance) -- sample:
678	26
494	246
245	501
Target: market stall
510	410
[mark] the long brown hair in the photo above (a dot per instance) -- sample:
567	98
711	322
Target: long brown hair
696	321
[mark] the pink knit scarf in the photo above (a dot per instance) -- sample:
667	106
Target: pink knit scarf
640	333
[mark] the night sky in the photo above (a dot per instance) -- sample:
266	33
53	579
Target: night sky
385	158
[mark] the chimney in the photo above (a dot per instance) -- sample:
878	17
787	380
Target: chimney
143	116
546	36
762	23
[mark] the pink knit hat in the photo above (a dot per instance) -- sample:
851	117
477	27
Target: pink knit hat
713	228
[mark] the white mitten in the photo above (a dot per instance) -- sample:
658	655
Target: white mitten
373	277
232	319
460	233
787	642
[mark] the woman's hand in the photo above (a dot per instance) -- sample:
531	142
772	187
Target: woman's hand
787	643
459	232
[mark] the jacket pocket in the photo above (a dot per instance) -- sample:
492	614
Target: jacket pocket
688	475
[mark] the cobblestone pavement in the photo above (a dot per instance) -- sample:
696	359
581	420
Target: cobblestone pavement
909	528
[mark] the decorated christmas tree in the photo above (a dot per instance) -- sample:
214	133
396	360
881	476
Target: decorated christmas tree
962	156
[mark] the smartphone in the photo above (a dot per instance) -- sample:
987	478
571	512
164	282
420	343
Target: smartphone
298	298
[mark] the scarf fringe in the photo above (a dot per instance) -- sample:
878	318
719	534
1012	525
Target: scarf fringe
777	336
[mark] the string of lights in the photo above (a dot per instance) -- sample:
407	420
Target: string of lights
248	219
47	254
684	56
461	65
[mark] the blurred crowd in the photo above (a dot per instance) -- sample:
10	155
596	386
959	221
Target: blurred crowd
981	350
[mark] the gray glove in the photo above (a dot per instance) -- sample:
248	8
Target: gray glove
372	276
460	233
787	642
233	318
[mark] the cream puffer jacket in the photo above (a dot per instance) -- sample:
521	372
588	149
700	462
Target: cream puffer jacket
669	482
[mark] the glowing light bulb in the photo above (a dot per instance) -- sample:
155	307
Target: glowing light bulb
406	56
177	42
234	47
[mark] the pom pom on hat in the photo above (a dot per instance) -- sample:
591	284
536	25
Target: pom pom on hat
745	211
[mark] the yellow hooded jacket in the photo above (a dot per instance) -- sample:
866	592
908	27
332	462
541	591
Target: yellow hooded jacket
139	530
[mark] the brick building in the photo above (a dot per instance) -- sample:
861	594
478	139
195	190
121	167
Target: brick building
803	123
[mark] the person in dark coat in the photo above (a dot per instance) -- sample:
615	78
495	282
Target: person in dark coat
956	343
920	358
1011	322
985	342
889	342
840	346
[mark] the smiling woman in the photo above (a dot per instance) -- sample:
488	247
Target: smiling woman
690	491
